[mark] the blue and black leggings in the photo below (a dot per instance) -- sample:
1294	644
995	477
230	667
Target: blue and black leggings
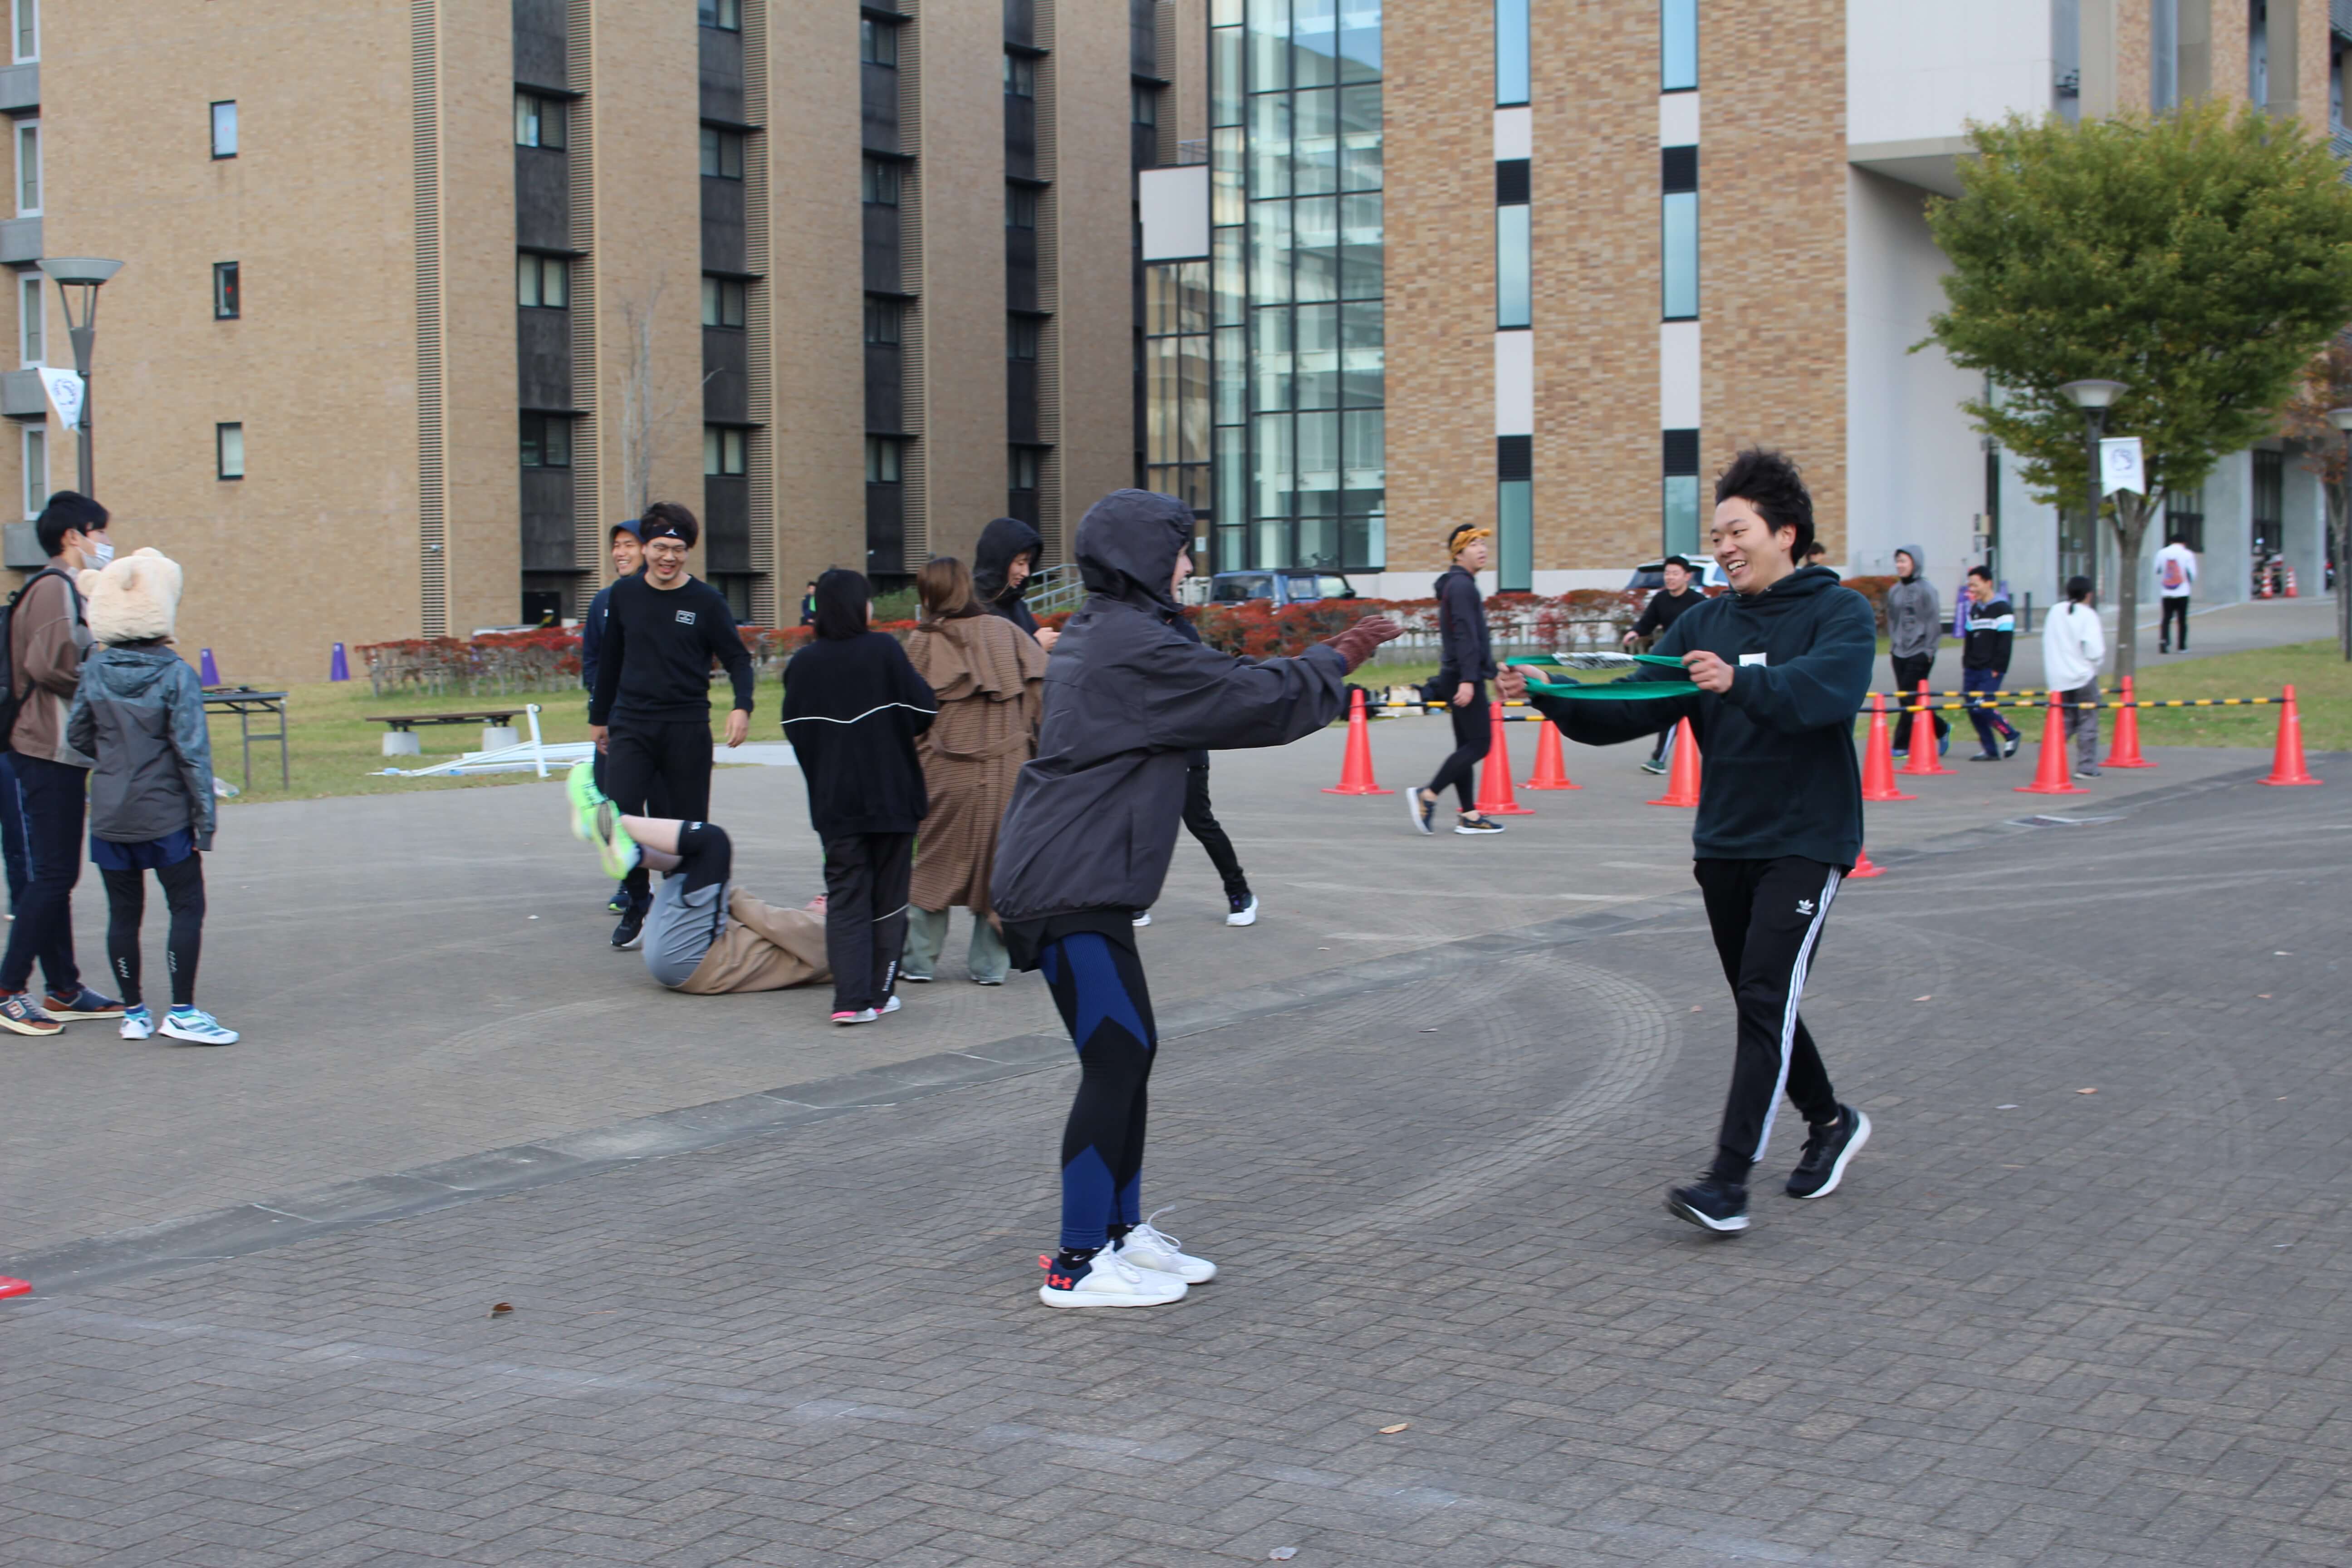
1098	986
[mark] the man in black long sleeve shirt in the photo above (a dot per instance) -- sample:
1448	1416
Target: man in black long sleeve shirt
1665	606
1465	663
649	711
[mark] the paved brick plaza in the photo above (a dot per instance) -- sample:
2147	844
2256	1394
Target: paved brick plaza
2035	1326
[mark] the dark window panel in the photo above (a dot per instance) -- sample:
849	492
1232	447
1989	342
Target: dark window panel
544	358
877	99
1020	136
1021	22
886	530
886	398
1021	269
1515	457
1511	182
542	198
547	531
1142	38
726	523
882	269
1020	401
541	57
726	371
720	74
1678	169
1682	451
723	246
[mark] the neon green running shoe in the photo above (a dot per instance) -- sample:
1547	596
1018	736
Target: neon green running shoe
598	821
580	789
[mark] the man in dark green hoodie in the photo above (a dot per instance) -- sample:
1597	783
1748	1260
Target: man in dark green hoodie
1781	665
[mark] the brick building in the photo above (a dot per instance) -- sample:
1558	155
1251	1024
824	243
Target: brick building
1546	264
418	299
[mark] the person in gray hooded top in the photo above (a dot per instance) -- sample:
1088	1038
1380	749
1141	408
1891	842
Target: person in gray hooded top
1087	840
1915	625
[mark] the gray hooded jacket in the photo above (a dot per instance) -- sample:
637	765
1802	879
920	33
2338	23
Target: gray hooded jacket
1914	616
139	710
1128	697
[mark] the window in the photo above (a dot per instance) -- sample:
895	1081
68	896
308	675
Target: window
1511	51
1678	45
539	122
881	460
225	291
877	42
1678	232
722	152
878	183
727	15
2164	54
722	303
1145	108
1515	513
28	30
225	128
32	322
2184	514
542	280
29	168
228	451
36	470
1514	267
546	441
2258	52
1022	470
1021	336
1020	76
1680	533
1020	207
884	321
722	449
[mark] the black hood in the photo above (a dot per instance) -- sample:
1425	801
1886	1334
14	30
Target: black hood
1128	545
1005	541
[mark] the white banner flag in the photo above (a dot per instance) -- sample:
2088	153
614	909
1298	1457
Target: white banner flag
2119	465
64	387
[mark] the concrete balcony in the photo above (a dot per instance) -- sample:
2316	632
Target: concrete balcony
20	241
22	396
20	88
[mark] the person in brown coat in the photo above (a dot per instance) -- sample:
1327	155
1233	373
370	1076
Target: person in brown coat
989	676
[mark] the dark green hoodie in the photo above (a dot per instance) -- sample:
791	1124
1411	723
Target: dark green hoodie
1779	775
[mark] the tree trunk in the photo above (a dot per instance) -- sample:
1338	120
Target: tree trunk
2132	512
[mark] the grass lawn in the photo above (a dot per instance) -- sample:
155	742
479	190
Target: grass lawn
2317	671
333	749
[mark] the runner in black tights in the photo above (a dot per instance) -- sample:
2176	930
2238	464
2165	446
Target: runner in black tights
1465	664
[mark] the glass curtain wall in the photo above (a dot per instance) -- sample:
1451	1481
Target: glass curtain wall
1176	381
1296	282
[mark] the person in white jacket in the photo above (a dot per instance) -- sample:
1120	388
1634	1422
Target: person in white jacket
2073	645
2176	575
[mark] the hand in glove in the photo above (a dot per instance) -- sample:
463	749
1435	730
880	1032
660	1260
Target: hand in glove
1356	644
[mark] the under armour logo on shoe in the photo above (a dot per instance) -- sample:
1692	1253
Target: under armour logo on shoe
1804	906
1058	1282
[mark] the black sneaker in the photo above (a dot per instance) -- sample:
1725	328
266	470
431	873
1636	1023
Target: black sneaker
1985	757
1422	808
1827	1149
1474	825
631	929
1710	1204
618	904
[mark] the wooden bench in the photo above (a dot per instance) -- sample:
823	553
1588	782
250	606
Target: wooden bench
401	740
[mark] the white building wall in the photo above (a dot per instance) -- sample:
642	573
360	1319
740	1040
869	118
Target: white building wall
2224	572
2304	543
1915	465
1917	69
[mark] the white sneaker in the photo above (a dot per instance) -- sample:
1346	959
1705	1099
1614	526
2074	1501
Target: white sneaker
198	1028
856	1016
1143	918
1243	914
1149	1246
889	1006
138	1024
1108	1280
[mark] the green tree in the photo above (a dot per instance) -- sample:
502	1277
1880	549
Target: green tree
2327	384
2200	257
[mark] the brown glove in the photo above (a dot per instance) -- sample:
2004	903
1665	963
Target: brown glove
1356	644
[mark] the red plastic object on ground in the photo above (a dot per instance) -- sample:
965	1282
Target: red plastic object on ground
1878	756
2054	776
2286	763
1495	796
1864	866
1356	766
1551	765
2125	751
1682	778
14	1287
1924	760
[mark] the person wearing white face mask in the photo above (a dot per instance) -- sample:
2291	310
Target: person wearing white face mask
47	637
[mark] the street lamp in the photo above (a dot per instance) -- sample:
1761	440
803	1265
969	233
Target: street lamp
2093	397
84	273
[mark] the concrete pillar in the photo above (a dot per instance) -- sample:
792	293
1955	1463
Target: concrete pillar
2305	526
2227	565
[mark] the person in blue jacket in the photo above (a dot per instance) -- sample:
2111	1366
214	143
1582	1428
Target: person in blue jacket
1781	665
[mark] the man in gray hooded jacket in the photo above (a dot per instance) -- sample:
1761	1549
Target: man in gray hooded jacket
1915	625
1087	840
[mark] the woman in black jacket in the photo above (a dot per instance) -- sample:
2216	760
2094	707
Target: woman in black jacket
1465	663
853	707
1129	702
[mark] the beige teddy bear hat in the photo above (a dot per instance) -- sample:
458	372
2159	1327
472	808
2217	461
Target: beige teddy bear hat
136	598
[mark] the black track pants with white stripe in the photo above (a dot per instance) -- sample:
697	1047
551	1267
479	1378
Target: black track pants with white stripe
1766	916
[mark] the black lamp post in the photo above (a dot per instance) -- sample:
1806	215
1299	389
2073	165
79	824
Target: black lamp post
2093	397
77	278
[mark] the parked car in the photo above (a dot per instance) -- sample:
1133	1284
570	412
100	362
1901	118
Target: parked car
1301	588
1650	576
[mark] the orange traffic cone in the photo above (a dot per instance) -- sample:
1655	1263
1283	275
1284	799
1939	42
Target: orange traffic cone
1356	766
1878	755
1864	867
1495	796
2290	585
2266	585
1552	767
1925	760
2286	763
1682	779
2054	776
2124	752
